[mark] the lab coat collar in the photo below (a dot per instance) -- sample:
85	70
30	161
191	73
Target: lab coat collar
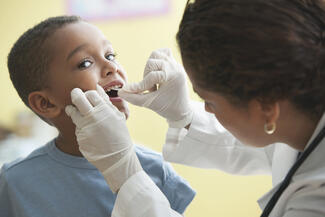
284	157
315	160
312	169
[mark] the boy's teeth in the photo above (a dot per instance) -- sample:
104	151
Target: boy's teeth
115	87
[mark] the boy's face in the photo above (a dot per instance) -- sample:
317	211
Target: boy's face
82	57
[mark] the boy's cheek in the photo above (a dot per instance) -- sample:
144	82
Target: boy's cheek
66	99
66	96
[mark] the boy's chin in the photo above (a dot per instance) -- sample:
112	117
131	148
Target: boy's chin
122	107
126	113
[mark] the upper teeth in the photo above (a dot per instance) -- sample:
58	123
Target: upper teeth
115	87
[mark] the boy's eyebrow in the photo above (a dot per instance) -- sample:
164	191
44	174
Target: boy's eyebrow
76	50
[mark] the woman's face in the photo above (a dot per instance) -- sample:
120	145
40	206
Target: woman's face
245	122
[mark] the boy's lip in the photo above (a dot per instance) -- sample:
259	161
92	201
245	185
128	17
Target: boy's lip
111	85
115	99
108	86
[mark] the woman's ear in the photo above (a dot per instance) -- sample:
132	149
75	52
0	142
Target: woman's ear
270	111
41	103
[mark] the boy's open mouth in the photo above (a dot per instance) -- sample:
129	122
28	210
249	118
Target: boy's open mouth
111	90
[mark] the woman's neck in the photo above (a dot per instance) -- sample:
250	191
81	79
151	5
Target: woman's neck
297	128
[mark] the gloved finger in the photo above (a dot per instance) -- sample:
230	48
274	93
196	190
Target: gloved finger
148	83
80	100
73	112
154	65
102	93
166	51
94	98
138	99
154	88
162	53
165	54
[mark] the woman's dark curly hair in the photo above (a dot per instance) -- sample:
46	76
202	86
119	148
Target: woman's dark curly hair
257	49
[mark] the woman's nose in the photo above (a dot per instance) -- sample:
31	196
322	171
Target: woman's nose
109	68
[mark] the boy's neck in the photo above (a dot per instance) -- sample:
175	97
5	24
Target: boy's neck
66	140
68	145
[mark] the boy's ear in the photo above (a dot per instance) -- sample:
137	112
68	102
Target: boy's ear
40	103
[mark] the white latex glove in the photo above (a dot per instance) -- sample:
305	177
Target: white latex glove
162	90
102	136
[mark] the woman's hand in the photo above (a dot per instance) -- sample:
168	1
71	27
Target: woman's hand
102	136
163	89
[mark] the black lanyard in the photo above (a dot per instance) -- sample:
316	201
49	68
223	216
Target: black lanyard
270	205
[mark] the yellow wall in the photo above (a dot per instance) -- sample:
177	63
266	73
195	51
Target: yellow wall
218	194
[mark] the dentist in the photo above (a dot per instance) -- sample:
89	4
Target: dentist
259	66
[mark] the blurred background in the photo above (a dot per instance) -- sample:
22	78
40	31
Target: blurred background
135	28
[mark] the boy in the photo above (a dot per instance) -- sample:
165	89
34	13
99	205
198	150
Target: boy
45	64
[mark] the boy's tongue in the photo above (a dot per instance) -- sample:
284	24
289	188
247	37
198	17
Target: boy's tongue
113	96
116	99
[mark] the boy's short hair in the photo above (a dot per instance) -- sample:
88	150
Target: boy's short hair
29	57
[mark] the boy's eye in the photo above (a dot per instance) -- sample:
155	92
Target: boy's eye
110	57
84	64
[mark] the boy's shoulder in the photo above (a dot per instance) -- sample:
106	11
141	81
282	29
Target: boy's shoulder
149	156
154	165
22	165
146	152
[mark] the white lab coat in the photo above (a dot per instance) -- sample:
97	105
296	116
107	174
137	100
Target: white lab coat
208	145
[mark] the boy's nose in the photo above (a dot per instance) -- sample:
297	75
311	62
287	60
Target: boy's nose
109	68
